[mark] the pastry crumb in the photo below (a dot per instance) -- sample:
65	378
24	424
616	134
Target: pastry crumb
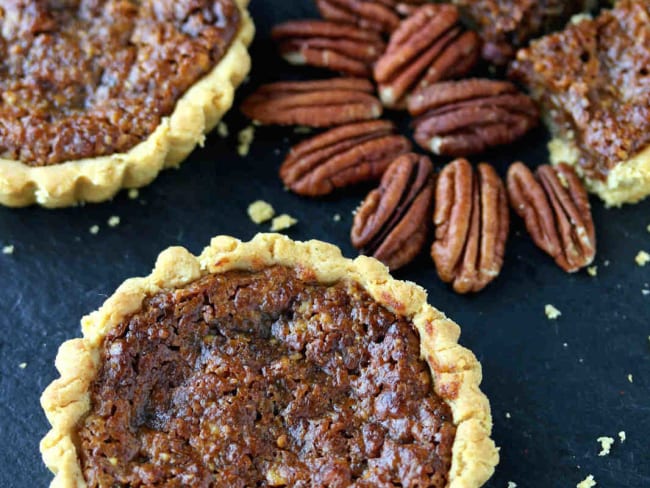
94	230
134	193
648	228
113	221
302	129
245	139
645	292
222	130
336	218
282	222
8	249
22	365
260	211
588	482
630	378
551	312
113	461
592	270
622	436
565	344
642	258
605	445
512	484
508	415
606	263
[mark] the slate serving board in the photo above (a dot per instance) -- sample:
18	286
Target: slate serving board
554	386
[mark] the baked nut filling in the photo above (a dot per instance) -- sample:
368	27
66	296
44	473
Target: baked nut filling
267	363
261	379
93	78
593	82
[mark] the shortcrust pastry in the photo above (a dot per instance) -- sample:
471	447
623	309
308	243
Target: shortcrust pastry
592	80
96	96
267	363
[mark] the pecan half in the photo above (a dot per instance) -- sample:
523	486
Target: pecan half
428	47
472	223
555	207
457	118
343	156
331	45
391	223
377	15
322	103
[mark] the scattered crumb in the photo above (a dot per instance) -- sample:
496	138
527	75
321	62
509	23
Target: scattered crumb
588	482
222	129
551	312
302	129
336	218
256	123
113	221
565	345
630	378
508	415
592	270
260	211
113	461
133	193
245	139
648	228
622	436
512	484
22	365
606	263
581	360
605	445
645	292
8	249
277	151
282	222
642	258
94	230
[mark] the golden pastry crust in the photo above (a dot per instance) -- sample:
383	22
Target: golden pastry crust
455	370
627	182
98	179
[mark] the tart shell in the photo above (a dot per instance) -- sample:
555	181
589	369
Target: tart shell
455	370
98	179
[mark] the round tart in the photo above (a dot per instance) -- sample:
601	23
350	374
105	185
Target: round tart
267	363
100	95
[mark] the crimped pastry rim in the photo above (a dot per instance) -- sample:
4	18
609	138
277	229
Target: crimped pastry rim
455	370
99	178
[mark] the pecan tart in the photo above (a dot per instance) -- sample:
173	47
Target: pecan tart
592	81
100	95
267	363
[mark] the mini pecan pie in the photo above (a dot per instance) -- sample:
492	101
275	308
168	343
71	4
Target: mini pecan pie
267	363
95	96
592	81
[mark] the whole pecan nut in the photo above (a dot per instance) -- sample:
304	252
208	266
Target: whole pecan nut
458	118
391	223
331	45
321	103
472	223
376	15
343	156
555	208
429	46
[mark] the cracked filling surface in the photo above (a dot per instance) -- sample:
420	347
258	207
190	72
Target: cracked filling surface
88	78
261	379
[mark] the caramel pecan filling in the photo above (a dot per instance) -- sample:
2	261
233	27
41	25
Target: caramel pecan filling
261	379
88	78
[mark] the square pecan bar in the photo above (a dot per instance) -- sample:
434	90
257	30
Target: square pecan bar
592	81
506	25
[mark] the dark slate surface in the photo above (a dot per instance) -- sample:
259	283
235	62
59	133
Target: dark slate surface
555	386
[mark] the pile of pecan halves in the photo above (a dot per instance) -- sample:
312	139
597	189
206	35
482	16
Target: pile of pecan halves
412	55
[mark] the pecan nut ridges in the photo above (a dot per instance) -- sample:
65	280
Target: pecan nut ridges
376	15
325	44
555	207
341	157
472	223
392	222
458	118
321	103
429	46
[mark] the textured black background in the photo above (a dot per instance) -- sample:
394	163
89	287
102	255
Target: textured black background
555	386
